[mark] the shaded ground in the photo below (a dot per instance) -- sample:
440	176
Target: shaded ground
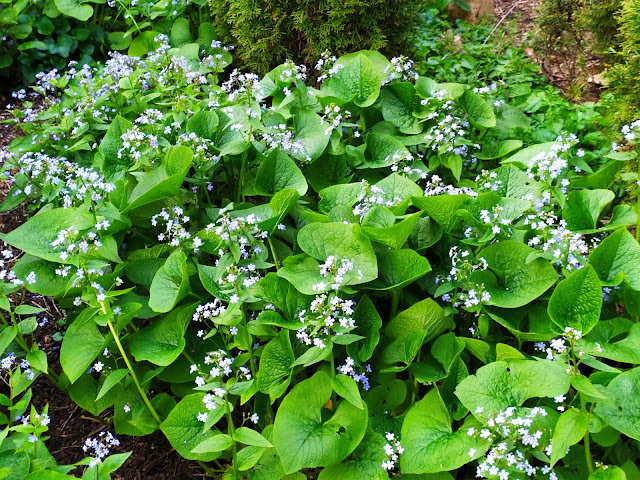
577	82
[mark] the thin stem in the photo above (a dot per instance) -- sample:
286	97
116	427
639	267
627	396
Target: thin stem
231	430
333	374
143	395
587	442
243	163
273	253
394	303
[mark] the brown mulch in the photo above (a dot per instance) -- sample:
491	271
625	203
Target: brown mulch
560	67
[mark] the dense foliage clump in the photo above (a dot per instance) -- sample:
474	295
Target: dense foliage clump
380	273
268	33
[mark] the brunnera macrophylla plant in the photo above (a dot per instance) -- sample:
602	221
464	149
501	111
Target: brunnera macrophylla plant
365	277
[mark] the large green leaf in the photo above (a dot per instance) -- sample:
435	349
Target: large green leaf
170	283
204	122
442	208
514	183
143	44
585	207
398	102
165	181
577	300
184	431
36	234
163	340
479	111
359	79
621	408
367	459
430	444
276	363
283	295
310	132
399	268
424	315
501	384
383	148
304	438
75	8
624	350
394	235
321	240
113	167
278	172
48	282
617	259
511	281
368	324
82	343
523	157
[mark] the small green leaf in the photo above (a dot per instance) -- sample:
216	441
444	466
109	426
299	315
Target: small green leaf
347	388
569	430
247	436
112	380
216	443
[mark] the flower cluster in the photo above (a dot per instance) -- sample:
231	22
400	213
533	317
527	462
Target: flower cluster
400	69
327	317
100	447
392	450
466	292
349	369
551	236
372	196
10	363
334	116
69	243
436	186
279	136
518	441
51	178
334	271
327	66
174	232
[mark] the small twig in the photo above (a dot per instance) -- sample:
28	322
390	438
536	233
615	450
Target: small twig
69	418
502	20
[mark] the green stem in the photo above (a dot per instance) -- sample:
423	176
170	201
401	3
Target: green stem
333	374
143	395
394	303
231	430
243	163
638	209
587	442
273	253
